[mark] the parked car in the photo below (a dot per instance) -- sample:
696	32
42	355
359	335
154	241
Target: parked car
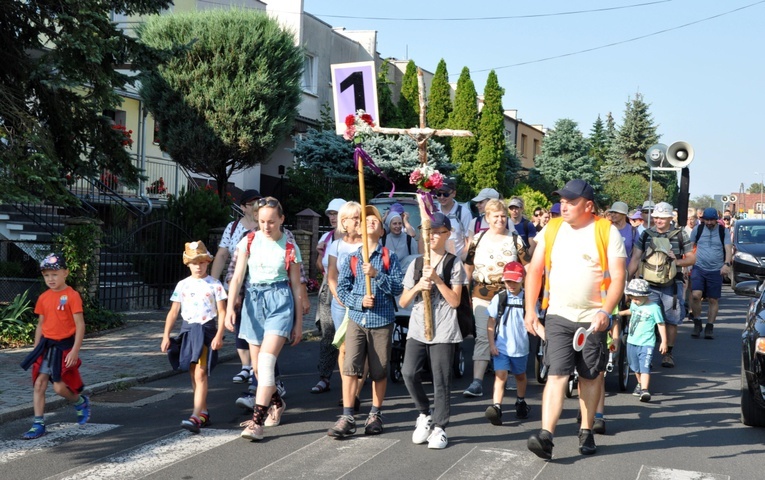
406	199
748	250
753	355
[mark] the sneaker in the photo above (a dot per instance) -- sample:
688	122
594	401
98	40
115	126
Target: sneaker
281	388
696	328
246	402
667	361
599	426
645	396
83	411
522	409
193	424
541	445
494	415
708	331
252	431
243	376
637	391
474	390
274	416
37	431
422	429
438	439
511	384
344	427
374	424
587	442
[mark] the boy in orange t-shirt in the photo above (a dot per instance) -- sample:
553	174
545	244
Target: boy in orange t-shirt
58	339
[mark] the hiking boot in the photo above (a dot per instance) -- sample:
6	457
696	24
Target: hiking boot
540	444
667	361
637	390
474	390
193	424
708	331
422	429
587	442
37	431
438	439
645	396
522	409
599	426
494	415
374	424
83	411
252	431
344	427
696	328
246	402
274	416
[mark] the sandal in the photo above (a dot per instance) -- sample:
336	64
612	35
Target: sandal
242	376
321	387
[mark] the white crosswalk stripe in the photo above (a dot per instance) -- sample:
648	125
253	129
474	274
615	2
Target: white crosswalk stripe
491	463
58	433
659	473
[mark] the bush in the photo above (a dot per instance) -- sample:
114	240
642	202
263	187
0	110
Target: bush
17	322
200	210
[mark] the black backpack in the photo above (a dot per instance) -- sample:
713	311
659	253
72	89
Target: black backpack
501	307
720	230
465	317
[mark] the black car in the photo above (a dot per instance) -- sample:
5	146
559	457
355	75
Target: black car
748	250
753	356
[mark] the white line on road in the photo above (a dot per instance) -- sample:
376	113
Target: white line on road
58	433
658	473
490	463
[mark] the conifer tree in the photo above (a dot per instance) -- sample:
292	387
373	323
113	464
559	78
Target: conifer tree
409	101
440	100
565	156
489	168
464	117
598	143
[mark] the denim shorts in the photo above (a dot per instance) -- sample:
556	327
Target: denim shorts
268	309
667	297
338	313
514	365
640	357
708	282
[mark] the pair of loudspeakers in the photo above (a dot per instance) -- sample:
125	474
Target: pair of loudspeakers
728	199
677	155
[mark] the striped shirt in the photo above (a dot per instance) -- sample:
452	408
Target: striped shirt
680	243
385	287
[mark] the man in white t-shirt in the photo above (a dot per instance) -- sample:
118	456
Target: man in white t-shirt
585	282
459	215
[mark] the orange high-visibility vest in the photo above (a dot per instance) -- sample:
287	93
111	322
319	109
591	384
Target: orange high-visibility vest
602	232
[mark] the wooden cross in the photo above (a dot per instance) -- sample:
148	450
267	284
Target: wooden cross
421	135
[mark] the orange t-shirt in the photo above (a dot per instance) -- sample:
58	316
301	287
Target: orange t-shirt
57	310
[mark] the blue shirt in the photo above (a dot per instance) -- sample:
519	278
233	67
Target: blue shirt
385	287
710	255
512	338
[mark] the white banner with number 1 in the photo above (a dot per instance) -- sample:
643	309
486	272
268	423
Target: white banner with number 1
354	87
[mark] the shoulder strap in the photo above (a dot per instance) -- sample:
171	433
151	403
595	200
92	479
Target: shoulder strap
385	259
250	238
384	238
459	212
478	221
699	231
330	236
419	262
408	243
446	273
233	228
289	256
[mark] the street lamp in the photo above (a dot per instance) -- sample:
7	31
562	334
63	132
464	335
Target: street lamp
762	187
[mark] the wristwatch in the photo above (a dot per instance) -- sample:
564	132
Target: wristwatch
727	264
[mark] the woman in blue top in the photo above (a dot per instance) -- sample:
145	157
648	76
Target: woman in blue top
270	312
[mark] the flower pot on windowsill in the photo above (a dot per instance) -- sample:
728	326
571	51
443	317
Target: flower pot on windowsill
156	196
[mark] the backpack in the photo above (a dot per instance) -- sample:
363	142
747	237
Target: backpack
385	259
408	241
656	266
289	254
480	219
700	230
465	318
501	307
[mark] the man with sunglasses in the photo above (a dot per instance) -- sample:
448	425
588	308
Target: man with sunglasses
459	215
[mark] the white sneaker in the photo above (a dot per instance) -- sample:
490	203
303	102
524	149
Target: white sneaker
438	440
246	401
281	388
422	429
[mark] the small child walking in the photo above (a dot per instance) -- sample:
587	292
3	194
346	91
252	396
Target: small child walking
58	339
200	299
641	340
508	342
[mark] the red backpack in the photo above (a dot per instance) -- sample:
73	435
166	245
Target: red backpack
289	256
385	259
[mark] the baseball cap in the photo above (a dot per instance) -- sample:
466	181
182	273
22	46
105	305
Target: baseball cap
662	210
709	214
486	194
555	208
575	189
248	196
449	184
515	202
372	210
636	215
334	205
620	207
513	271
440	220
53	261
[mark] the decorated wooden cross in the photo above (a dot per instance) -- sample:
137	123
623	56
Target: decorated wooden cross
421	135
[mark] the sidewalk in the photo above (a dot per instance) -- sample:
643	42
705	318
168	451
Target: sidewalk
115	359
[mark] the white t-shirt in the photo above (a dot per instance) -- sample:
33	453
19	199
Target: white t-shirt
198	298
575	275
460	228
341	249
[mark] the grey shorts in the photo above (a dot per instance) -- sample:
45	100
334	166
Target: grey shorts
560	356
367	343
670	298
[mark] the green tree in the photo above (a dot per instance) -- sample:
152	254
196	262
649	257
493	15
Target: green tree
632	189
222	113
440	99
703	201
325	152
58	73
489	167
464	117
389	116
599	142
409	100
754	188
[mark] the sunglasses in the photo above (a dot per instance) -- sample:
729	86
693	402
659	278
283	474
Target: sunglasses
264	202
727	219
442	194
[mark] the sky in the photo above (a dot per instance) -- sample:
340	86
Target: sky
697	63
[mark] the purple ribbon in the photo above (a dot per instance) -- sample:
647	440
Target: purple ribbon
427	201
360	154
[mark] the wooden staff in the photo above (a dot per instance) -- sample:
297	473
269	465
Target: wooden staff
363	202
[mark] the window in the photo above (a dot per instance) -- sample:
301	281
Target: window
309	74
524	140
155	137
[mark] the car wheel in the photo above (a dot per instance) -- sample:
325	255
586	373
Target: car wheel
396	364
752	414
623	365
540	369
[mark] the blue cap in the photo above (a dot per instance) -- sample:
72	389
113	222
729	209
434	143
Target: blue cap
53	261
440	220
709	214
555	208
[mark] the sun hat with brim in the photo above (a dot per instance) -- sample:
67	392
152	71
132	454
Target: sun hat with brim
513	272
662	210
647	206
196	252
334	205
638	288
620	207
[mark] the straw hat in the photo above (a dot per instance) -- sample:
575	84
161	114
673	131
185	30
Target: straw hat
196	251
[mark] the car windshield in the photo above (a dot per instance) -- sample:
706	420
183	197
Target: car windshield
751	234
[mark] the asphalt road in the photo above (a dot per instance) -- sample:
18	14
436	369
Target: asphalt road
691	429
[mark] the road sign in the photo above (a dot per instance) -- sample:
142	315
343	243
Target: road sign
354	87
